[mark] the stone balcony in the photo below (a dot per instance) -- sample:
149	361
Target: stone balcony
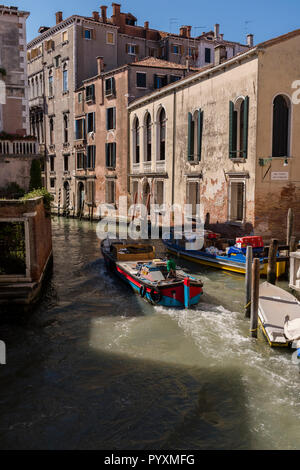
36	102
19	147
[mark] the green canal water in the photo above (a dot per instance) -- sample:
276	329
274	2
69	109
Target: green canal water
96	367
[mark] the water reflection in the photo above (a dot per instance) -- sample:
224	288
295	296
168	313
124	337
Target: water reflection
96	367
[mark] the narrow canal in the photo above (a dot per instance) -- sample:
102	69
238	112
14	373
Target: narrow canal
96	367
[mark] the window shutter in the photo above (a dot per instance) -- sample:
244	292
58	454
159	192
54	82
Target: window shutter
155	81
28	55
107	119
231	131
159	55
127	48
93	34
107	155
199	134
114	118
181	49
94	157
137	49
114	155
246	123
190	119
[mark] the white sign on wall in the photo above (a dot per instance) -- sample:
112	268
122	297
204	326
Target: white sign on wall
279	175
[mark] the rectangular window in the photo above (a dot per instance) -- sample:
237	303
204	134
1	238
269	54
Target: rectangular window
90	93
52	183
91	156
110	155
110	38
80	161
65	36
175	49
141	80
66	163
152	52
207	55
159	196
52	163
51	87
80	129
79	97
237	201
57	61
91	122
131	49
87	34
110	89
110	195
110	118
65	81
160	81
193	196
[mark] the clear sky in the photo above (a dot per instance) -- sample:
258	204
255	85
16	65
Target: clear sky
264	18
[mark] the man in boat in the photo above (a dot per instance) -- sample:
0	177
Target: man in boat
171	267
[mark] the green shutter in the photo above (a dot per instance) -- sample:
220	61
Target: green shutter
107	123
114	118
231	131
199	134
246	124
190	136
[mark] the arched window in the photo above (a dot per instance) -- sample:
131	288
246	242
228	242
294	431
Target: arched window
281	126
238	128
148	139
51	128
136	141
66	128
195	135
37	86
162	135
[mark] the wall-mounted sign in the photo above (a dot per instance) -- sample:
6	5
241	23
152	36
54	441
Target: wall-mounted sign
279	175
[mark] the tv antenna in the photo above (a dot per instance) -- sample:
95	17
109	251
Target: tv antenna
247	22
172	22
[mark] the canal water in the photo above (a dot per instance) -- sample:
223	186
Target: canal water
96	367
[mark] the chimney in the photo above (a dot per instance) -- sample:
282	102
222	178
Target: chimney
100	64
116	9
220	54
146	25
221	37
103	13
217	31
183	32
96	15
250	40
188	31
59	17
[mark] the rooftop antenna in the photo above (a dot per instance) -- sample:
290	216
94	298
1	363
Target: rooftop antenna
172	22
247	22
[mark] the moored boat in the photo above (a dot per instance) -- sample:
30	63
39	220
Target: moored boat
279	316
136	265
230	258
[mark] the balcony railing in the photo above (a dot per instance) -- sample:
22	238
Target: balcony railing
36	102
19	147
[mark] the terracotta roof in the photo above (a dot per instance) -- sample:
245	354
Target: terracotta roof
154	62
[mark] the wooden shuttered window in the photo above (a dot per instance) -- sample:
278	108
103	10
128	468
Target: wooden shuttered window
232	130
246	125
90	192
199	134
110	155
110	192
190	137
137	49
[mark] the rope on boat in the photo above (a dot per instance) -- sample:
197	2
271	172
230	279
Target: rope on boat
248	305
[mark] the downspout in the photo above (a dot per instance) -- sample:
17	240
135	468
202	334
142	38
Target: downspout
174	146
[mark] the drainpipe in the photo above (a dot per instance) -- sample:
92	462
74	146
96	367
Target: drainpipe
174	147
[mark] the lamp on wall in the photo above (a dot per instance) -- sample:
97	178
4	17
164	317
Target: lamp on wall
286	162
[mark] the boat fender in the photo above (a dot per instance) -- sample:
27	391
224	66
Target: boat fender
155	296
143	291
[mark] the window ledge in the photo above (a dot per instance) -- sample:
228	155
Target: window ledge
65	42
111	168
51	97
65	93
239	160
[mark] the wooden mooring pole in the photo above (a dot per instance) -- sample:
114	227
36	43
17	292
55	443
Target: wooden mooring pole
272	262
290	226
254	297
249	259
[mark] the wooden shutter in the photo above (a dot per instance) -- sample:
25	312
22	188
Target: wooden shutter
107	119
29	55
199	134
231	131
93	34
190	122
127	48
114	157
114	118
246	123
107	155
137	49
155	80
181	50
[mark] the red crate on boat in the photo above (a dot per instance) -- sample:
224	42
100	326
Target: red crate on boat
255	242
212	236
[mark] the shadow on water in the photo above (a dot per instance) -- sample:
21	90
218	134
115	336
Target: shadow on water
60	392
